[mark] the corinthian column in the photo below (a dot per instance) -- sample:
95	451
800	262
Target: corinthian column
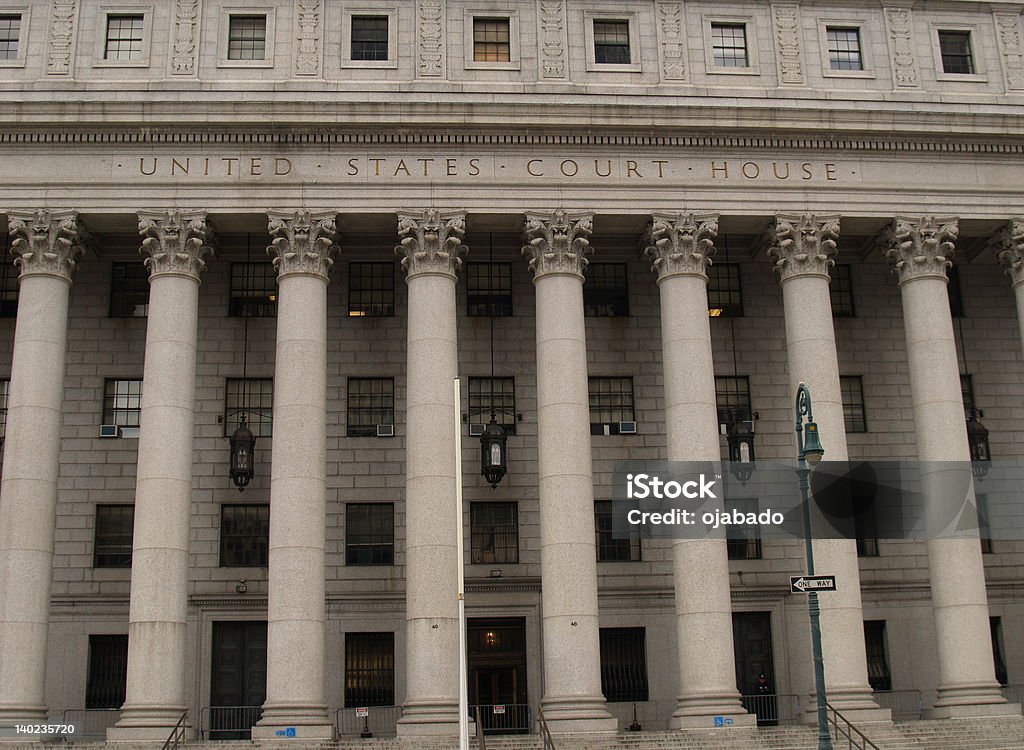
174	244
303	250
430	246
920	250
46	245
557	247
1009	247
804	248
681	247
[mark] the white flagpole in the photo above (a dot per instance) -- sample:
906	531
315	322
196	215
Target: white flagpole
463	685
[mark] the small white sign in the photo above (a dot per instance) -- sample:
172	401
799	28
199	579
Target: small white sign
499	709
362	713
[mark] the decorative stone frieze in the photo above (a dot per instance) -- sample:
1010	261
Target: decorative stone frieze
1008	244
786	22
307	52
183	58
681	244
920	247
63	14
429	32
431	241
1009	36
803	244
551	14
558	242
46	242
672	42
175	242
900	25
302	242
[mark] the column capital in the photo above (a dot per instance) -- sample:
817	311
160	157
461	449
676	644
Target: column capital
920	247
803	244
430	242
175	242
302	242
46	243
558	242
1008	245
681	244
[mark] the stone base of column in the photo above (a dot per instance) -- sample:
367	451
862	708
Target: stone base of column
971	701
302	721
148	724
429	718
710	710
578	715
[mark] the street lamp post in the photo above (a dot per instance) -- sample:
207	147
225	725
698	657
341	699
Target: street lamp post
809	452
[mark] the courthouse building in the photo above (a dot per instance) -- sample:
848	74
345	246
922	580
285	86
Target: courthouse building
629	227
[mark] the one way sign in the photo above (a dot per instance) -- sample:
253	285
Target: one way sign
806	584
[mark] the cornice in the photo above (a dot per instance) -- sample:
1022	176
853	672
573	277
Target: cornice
204	137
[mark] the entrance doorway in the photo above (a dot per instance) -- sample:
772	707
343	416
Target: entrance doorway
497	673
238	678
755	667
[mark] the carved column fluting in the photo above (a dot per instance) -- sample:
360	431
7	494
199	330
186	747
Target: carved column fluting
430	246
46	245
804	248
681	247
302	249
557	246
1009	247
920	250
174	244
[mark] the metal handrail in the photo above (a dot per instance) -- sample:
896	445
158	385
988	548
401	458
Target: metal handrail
545	733
381	721
216	721
904	704
773	708
177	734
481	739
848	731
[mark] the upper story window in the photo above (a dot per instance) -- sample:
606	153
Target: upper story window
732	395
605	291
10	36
493	395
253	290
124	38
112	542
489	289
494	532
370	534
841	292
129	290
252	397
371	407
611	404
369	38
492	40
610	549
611	42
725	295
371	290
955	52
844	52
247	37
743	542
122	405
244	535
729	45
852	388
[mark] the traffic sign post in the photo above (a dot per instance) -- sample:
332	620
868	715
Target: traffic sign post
807	584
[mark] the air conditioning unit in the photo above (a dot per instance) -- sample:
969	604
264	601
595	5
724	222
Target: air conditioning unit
110	431
627	428
385	430
476	430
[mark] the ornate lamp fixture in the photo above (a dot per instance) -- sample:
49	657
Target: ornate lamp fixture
740	436
977	439
243	442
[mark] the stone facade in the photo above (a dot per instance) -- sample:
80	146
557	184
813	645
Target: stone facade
785	166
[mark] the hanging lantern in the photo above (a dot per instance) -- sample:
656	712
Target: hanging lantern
493	453
977	439
243	447
740	437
